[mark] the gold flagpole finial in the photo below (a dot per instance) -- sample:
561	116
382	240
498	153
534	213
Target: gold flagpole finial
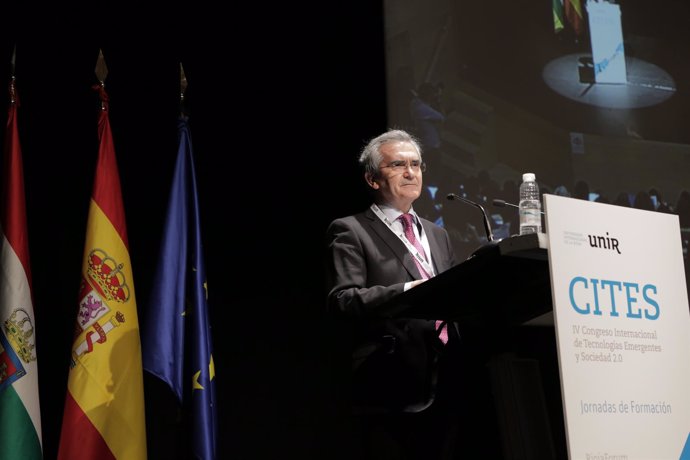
183	83
183	88
101	73
13	61
13	97
101	69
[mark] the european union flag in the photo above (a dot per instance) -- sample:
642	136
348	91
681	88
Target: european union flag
177	345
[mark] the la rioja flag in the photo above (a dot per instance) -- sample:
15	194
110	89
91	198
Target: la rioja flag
20	417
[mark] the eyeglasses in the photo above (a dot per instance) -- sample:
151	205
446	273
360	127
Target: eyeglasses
400	166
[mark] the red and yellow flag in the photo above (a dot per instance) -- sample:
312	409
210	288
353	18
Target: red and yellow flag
104	407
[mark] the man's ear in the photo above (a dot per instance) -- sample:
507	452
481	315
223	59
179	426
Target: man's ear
370	180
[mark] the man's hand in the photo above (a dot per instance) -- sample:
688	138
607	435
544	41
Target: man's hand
416	283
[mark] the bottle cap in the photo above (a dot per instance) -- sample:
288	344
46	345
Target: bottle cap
528	177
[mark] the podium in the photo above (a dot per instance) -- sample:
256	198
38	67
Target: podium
501	287
614	281
505	283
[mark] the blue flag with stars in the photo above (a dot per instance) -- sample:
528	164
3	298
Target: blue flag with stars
176	340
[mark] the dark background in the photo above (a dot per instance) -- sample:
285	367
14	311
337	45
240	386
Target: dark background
280	99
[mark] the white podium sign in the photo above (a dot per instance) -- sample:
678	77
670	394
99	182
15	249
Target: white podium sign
606	36
623	330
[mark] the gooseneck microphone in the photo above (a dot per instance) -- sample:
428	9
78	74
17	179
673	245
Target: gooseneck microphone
487	225
503	204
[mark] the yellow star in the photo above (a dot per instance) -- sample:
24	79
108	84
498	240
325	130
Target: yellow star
211	369
195	382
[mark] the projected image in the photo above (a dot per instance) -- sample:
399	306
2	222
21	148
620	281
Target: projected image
632	82
591	96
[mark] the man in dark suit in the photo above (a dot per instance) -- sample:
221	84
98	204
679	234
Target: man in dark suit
400	366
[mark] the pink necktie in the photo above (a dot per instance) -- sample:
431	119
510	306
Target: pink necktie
406	219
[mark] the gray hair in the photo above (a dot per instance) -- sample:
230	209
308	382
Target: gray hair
370	158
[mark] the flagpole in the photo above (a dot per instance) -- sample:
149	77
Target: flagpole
104	415
176	343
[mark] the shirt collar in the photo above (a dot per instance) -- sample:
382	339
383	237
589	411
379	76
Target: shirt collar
393	213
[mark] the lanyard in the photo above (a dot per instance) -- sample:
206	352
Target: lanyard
401	236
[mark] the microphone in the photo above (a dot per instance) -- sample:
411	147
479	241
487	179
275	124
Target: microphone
503	204
487	225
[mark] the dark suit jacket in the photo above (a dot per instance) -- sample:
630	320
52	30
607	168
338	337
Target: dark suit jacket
394	360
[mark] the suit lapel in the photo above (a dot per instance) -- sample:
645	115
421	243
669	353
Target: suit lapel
394	243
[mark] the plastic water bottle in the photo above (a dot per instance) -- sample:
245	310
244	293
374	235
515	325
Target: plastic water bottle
530	205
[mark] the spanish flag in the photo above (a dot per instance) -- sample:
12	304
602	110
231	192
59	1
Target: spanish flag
20	415
104	407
